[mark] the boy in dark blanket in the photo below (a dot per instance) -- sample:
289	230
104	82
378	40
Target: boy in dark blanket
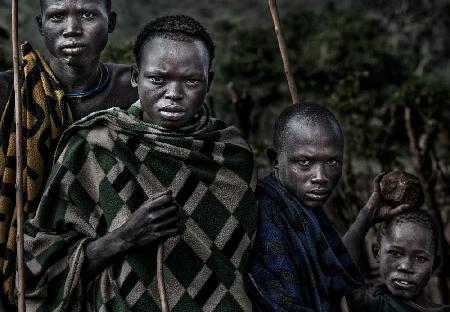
406	249
299	262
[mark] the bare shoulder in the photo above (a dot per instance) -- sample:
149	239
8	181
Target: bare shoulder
120	73
120	92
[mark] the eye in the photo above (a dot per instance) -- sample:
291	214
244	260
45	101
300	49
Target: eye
87	15
421	259
333	163
304	162
192	82
158	80
394	253
56	17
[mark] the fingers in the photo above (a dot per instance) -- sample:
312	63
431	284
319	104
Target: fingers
163	200
164	213
157	195
399	209
376	182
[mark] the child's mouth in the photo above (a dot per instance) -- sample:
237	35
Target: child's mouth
403	284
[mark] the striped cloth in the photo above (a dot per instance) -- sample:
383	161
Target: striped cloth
45	117
110	163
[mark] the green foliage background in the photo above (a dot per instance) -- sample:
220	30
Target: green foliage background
370	61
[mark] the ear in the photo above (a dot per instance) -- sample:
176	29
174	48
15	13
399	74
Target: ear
272	155
210	79
39	23
436	262
376	251
112	20
134	76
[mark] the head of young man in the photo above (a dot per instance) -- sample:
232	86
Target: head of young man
308	152
76	31
406	249
173	72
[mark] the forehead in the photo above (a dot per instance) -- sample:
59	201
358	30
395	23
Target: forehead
61	4
312	138
409	235
160	51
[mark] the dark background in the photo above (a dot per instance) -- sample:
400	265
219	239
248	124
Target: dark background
382	66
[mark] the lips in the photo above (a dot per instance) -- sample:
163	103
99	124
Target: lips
72	48
318	194
403	284
172	112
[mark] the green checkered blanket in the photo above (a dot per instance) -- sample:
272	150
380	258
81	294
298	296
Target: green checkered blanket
110	163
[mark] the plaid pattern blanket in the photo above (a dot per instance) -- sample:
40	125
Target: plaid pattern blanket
299	263
109	164
45	117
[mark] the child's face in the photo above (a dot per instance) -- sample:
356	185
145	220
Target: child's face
172	80
406	259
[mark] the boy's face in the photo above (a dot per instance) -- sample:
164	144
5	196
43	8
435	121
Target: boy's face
173	79
310	163
406	259
75	31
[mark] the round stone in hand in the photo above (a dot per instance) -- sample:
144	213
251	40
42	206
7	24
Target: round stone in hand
398	187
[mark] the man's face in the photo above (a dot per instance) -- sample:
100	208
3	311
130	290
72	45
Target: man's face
75	31
173	79
310	162
406	259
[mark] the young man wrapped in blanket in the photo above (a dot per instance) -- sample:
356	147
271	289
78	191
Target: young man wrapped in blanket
299	262
163	172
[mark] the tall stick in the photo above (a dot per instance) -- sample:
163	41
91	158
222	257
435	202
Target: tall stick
160	279
19	155
281	43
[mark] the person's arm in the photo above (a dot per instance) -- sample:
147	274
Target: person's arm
376	210
155	221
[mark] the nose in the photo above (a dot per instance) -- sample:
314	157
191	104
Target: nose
320	175
73	27
174	91
405	265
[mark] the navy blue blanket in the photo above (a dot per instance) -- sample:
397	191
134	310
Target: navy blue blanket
299	262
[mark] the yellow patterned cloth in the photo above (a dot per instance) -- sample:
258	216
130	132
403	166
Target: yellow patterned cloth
45	116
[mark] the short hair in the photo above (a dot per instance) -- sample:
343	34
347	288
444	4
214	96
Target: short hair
307	113
174	27
108	4
416	216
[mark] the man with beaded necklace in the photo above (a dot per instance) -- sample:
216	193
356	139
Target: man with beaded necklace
68	86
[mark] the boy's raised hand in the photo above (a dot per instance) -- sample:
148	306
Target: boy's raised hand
377	207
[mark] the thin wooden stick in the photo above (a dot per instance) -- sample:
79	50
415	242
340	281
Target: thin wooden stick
160	279
19	155
282	44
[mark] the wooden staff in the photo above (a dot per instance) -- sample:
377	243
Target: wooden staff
284	56
19	155
160	279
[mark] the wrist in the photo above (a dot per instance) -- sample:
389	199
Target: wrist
122	239
367	215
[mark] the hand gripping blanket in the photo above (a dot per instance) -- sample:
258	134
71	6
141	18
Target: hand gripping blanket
45	117
299	263
110	163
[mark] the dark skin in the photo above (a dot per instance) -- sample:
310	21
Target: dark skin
407	259
173	79
309	165
75	33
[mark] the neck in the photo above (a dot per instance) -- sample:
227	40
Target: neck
76	78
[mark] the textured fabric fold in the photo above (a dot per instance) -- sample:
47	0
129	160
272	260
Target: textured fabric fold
45	115
110	163
299	263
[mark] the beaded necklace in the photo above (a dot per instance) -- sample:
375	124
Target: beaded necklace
100	86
